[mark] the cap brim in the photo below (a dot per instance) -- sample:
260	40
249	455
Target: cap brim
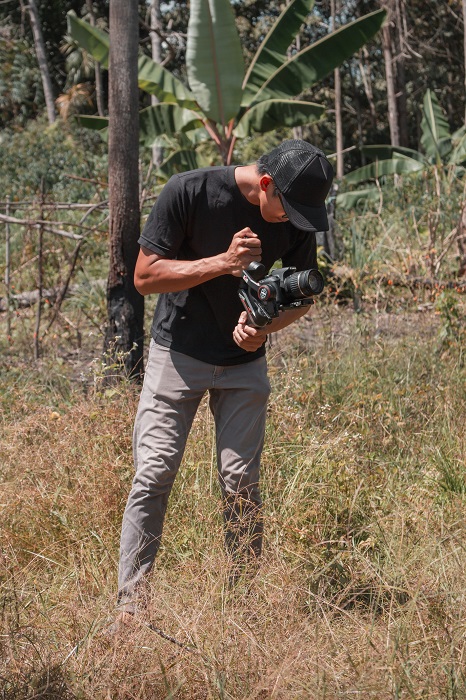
306	218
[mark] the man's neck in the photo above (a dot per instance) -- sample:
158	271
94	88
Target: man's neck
247	180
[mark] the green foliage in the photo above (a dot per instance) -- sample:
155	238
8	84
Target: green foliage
21	95
40	152
20	81
442	150
452	332
214	60
215	69
272	52
436	174
305	68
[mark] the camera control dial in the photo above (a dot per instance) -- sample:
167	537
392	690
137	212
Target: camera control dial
264	292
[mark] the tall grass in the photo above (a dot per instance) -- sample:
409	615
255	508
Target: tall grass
361	590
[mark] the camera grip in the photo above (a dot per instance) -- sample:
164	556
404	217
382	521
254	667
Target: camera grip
257	315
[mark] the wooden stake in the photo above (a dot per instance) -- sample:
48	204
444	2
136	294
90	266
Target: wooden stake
7	272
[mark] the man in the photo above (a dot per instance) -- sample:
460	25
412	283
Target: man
205	228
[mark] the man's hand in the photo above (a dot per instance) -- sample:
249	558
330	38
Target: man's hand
248	337
244	249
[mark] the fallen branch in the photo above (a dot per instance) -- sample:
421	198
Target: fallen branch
56	205
38	224
25	300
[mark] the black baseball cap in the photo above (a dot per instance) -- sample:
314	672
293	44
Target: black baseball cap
303	176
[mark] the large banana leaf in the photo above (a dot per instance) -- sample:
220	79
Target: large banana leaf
394	166
214	59
99	124
152	77
162	119
165	118
158	81
350	200
459	146
436	137
272	114
93	40
179	162
90	122
318	60
382	152
271	54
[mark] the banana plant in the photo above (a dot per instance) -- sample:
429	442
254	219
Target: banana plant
229	100
442	151
441	164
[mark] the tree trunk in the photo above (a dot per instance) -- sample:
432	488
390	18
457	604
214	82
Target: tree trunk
390	77
42	60
464	50
366	81
298	131
461	241
359	115
125	306
330	242
401	76
338	124
338	109
99	91
156	42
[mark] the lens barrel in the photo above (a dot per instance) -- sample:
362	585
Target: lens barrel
304	284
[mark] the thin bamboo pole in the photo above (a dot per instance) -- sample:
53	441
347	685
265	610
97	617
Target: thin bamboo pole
40	277
7	271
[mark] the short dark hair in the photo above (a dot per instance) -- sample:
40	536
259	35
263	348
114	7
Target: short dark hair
261	166
262	170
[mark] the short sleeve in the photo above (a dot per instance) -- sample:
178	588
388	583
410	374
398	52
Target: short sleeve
302	253
166	226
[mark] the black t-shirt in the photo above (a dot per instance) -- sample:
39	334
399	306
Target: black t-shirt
196	216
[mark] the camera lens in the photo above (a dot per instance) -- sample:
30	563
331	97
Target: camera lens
304	284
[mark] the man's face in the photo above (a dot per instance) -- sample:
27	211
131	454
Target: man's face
270	202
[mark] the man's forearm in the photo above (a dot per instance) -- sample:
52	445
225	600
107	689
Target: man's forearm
157	274
166	275
285	318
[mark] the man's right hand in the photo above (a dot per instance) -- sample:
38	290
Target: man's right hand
245	248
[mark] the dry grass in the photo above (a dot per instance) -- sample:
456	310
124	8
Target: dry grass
361	591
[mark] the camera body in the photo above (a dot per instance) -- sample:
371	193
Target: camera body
264	297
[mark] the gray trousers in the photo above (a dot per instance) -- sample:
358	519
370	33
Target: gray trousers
174	385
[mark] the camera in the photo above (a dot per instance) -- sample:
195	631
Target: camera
264	297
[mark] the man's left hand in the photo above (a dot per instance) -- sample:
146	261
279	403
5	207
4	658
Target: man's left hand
248	337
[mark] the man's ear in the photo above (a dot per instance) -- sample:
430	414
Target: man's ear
264	182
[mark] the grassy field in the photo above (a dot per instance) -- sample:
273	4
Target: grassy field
361	590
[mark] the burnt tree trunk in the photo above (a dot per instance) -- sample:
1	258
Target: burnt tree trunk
125	306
